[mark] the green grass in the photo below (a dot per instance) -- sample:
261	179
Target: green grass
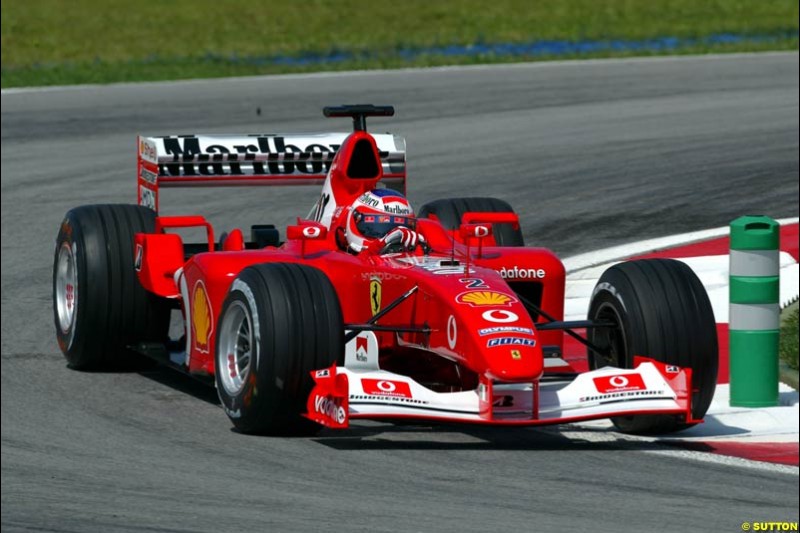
789	335
81	41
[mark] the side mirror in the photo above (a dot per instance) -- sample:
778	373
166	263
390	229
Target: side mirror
475	231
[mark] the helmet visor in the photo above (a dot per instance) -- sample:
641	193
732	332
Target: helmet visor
377	226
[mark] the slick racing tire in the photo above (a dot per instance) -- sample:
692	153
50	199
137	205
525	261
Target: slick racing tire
279	322
99	306
449	211
660	310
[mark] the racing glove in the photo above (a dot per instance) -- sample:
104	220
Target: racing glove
398	239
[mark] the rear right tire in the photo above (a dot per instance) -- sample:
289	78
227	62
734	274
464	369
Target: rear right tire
99	306
449	211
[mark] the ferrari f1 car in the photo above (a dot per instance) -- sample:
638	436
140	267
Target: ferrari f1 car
298	333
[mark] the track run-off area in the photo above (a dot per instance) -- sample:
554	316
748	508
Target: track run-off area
591	154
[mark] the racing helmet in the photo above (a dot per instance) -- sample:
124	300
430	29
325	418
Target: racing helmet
374	214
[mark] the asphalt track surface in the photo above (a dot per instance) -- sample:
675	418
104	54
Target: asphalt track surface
591	154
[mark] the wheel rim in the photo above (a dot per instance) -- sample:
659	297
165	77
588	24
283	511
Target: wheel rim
67	290
612	339
235	350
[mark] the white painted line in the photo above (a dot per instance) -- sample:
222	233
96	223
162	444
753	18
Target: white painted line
618	253
602	432
726	460
402	71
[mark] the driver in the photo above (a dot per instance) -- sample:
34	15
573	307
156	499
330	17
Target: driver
381	221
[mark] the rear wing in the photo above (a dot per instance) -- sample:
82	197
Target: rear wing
245	160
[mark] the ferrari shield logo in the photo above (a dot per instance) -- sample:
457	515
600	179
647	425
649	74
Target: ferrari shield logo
375	296
515	354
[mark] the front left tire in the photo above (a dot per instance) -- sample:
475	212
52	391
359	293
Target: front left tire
279	322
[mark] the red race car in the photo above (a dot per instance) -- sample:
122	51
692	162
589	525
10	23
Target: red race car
368	309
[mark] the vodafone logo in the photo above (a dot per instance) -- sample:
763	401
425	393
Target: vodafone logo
619	383
452	332
500	316
330	408
385	387
311	232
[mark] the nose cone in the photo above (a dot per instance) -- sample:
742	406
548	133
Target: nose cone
508	342
514	362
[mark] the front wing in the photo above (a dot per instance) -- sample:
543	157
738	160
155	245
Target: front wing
650	388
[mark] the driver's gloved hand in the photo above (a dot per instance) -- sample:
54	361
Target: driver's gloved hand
399	238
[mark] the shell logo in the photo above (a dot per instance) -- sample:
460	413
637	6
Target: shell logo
202	321
485	298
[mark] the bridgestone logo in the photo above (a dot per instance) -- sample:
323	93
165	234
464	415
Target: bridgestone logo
522	273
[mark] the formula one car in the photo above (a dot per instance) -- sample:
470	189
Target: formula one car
305	332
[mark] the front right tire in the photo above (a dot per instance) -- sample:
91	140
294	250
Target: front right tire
660	310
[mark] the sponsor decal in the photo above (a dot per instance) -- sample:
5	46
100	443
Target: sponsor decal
626	395
500	316
268	154
385	387
311	232
147	198
504	329
396	208
479	232
330	408
485	298
149	177
147	150
368	199
137	262
452	332
375	296
619	383
522	273
474	283
510	341
516	354
382	276
202	321
672	369
605	286
362	349
327	403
